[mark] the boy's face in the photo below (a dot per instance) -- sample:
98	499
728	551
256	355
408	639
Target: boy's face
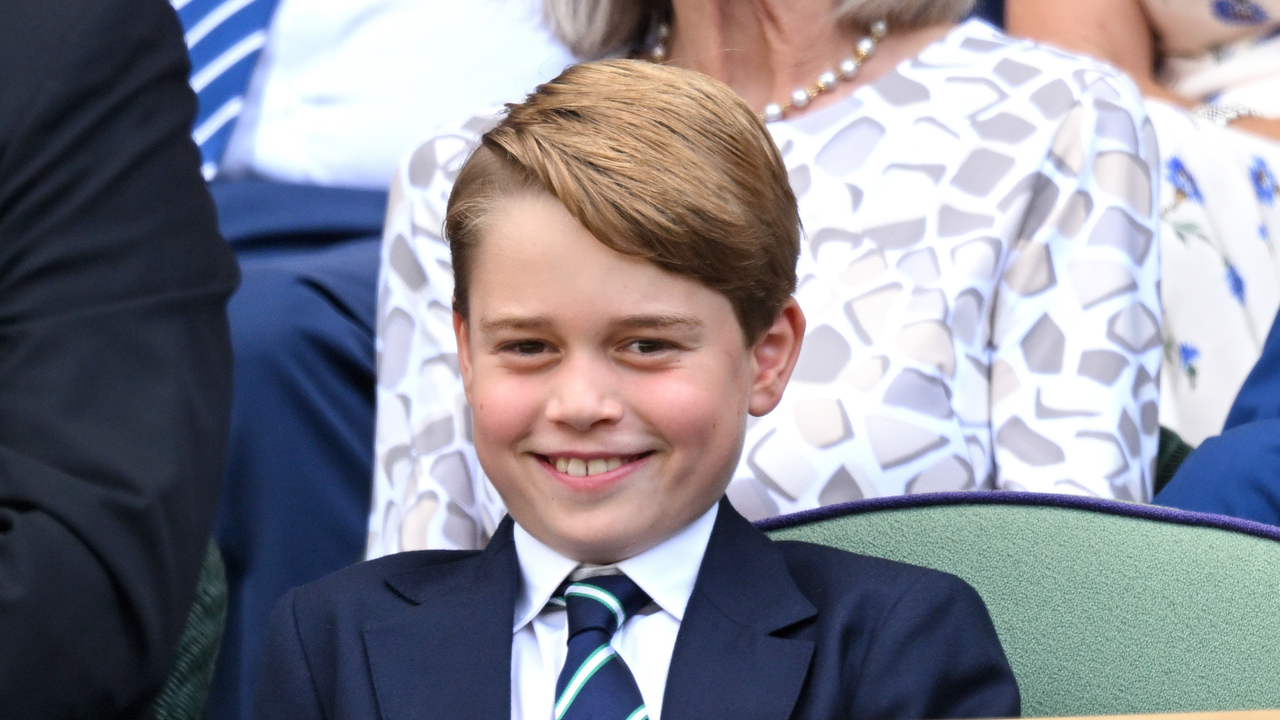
609	397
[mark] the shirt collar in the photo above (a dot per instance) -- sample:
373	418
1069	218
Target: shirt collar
667	571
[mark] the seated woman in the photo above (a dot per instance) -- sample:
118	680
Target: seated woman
977	269
1210	71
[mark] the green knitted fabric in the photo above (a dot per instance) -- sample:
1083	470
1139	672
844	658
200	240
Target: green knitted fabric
187	685
1099	614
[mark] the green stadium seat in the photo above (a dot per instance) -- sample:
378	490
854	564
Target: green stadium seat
1103	607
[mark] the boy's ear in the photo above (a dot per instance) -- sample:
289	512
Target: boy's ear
462	334
774	357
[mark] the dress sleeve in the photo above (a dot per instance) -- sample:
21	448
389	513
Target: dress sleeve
115	358
428	489
1075	332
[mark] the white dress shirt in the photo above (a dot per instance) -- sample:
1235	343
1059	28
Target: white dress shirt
345	89
539	642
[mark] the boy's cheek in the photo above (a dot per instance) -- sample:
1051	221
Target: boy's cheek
690	408
717	384
501	408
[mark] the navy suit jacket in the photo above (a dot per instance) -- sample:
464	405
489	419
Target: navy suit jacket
772	631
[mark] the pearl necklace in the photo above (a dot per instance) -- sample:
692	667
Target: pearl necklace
800	97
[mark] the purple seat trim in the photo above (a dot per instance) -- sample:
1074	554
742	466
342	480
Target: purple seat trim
1002	497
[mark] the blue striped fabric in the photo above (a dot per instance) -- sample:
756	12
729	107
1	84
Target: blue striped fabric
224	38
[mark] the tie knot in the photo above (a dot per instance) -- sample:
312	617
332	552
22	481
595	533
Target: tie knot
602	603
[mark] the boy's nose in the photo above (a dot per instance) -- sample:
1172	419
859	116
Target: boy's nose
582	395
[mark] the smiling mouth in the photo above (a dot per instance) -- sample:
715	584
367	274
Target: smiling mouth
577	467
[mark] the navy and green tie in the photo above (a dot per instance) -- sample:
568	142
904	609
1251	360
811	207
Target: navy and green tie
596	683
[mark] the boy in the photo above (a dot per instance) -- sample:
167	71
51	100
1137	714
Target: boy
624	247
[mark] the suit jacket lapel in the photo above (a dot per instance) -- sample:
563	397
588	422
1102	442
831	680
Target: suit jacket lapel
449	654
727	662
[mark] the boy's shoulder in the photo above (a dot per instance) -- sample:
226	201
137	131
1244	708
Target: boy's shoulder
842	566
374	587
879	633
839	586
835	579
444	562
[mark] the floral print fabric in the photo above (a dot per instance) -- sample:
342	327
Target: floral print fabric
979	274
1220	274
1190	28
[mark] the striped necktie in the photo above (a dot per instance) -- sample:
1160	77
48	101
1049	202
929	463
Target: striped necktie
224	38
596	683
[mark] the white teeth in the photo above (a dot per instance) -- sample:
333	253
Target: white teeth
578	467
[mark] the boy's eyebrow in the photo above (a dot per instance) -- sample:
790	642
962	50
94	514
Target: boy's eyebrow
520	323
514	323
658	322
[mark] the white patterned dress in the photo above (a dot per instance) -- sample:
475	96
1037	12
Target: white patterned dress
979	275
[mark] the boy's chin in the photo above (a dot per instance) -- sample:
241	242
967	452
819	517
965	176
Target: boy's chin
604	547
603	536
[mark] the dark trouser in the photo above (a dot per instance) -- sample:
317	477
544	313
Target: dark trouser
295	500
1237	473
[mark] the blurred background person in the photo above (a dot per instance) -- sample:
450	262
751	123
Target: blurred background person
978	269
1210	70
115	361
306	106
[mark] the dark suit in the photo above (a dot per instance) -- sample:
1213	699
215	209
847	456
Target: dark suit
114	355
772	630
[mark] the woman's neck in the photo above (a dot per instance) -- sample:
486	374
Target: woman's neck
765	49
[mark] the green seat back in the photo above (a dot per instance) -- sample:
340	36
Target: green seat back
187	684
1103	608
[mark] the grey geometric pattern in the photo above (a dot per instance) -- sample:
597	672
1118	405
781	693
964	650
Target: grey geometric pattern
978	279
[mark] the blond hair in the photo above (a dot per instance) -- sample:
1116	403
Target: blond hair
597	28
656	162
